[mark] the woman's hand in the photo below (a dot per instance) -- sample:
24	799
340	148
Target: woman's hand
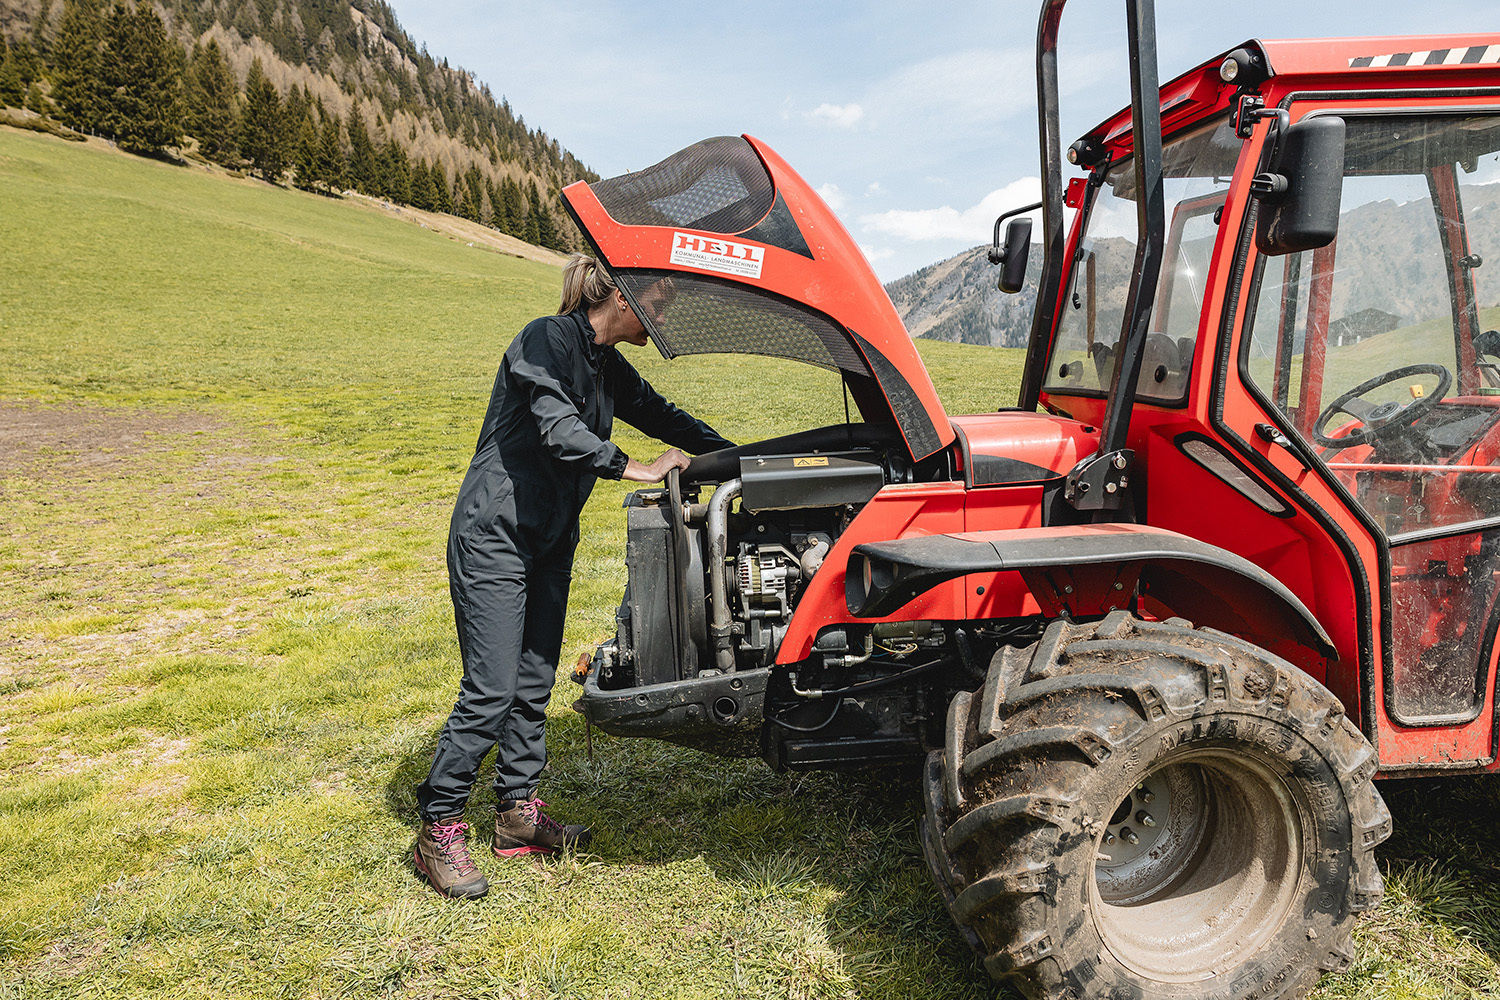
670	459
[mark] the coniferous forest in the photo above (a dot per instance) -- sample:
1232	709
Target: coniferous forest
328	95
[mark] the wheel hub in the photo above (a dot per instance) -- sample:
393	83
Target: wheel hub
1200	887
1152	836
1138	823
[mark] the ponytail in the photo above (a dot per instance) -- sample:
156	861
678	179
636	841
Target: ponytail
584	284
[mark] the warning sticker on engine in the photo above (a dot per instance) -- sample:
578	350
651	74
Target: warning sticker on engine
724	256
810	462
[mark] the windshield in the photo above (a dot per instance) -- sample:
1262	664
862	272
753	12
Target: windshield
1196	170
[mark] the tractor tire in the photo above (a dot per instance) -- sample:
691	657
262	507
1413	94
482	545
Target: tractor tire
1144	810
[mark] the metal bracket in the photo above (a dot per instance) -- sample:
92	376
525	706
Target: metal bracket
1084	591
1099	481
1244	114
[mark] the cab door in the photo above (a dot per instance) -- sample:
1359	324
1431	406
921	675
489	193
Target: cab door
1372	364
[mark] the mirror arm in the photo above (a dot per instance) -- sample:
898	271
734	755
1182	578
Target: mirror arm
997	254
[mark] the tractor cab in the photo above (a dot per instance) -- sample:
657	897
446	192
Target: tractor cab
1378	350
1326	406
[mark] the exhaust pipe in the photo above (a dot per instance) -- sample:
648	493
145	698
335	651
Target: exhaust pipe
720	630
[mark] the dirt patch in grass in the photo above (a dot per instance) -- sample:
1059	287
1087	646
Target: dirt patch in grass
73	439
157	752
71	956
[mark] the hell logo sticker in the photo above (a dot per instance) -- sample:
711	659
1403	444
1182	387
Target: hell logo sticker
711	254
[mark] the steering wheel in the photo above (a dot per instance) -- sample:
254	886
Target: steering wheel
1381	418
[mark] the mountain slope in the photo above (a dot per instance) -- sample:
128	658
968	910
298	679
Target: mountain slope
1388	253
957	300
357	103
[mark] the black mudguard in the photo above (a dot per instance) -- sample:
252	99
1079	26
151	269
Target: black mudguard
1199	581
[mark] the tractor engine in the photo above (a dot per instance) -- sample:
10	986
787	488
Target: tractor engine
717	564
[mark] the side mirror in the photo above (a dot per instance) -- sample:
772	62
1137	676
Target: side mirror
1013	259
1017	246
1300	192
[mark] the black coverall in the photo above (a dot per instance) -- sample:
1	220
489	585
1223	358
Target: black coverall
544	442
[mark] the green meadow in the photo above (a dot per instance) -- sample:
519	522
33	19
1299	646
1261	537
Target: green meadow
232	422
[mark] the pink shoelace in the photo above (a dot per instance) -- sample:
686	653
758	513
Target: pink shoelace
450	839
531	812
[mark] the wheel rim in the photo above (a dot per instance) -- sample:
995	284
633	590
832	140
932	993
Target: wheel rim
1209	879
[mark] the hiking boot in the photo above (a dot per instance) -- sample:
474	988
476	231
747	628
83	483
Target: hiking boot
442	856
525	829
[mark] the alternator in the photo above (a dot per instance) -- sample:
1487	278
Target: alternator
764	582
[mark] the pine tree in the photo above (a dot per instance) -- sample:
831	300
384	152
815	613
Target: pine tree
442	200
306	160
514	208
363	172
496	218
27	61
140	72
39	29
213	113
395	173
473	191
538	223
264	140
332	167
12	90
423	191
76	87
36	100
296	111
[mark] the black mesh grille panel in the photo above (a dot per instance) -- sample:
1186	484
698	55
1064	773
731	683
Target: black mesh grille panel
709	316
921	436
715	186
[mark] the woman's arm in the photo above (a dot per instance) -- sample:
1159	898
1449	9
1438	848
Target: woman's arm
670	459
539	367
643	408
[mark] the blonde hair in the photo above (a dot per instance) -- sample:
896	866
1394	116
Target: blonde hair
585	284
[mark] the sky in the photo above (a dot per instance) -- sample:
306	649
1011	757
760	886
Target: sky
916	122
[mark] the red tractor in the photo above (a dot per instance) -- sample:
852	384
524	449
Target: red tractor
1154	631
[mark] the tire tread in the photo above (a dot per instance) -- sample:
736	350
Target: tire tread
1046	716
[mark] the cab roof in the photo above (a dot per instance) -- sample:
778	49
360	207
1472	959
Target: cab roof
1326	63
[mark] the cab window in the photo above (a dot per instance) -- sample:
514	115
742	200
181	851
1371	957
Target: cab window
1381	349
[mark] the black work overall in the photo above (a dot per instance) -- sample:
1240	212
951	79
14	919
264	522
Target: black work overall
544	442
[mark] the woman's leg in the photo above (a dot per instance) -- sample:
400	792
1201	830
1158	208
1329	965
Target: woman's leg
488	581
523	746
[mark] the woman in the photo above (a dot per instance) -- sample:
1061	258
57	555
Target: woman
544	441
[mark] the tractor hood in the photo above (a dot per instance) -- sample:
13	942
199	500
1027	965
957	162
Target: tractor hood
729	251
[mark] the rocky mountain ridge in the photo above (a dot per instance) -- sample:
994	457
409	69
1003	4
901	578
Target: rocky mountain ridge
1389	258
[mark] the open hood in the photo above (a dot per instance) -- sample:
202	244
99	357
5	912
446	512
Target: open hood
752	262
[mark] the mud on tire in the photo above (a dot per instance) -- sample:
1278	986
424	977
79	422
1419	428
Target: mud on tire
1148	810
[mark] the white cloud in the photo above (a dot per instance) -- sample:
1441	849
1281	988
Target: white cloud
958	91
838	115
973	224
874	189
831	194
876	254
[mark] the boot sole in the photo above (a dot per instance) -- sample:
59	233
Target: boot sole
517	852
416	860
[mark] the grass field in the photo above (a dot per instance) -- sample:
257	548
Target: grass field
232	421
